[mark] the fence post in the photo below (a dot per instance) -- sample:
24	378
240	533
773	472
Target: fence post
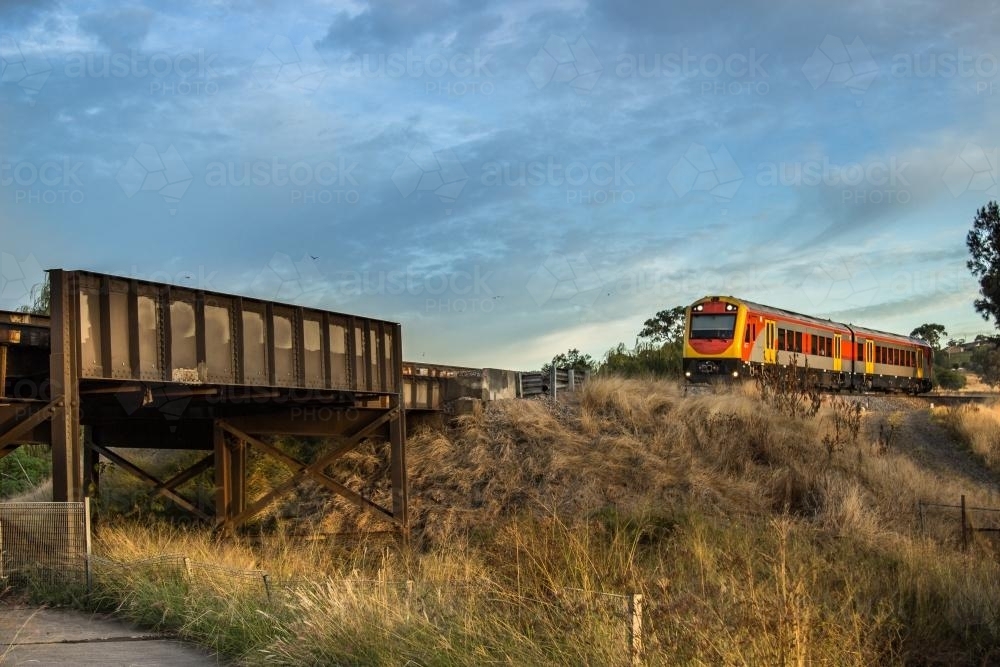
267	585
635	629
520	385
187	568
572	380
965	541
87	546
553	382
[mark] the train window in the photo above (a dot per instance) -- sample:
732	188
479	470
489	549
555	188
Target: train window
781	339
746	334
812	344
861	352
798	341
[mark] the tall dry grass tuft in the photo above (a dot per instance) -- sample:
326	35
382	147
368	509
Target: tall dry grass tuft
978	427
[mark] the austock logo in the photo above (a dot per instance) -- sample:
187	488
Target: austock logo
22	67
558	61
283	63
840	282
19	279
566	279
702	171
974	170
148	170
424	170
833	62
284	279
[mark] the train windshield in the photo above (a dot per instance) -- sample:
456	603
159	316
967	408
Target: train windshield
712	326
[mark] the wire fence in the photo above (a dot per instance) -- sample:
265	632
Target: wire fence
960	522
44	541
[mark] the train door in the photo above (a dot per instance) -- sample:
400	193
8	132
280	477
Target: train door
770	341
920	364
869	357
838	352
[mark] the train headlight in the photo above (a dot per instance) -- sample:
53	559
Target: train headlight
736	374
699	307
730	307
687	374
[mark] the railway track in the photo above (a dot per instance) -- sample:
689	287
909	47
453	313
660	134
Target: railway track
951	398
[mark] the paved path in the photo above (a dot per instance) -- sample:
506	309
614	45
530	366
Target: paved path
31	636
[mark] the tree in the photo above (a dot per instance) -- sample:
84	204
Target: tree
645	359
983	241
572	359
41	300
986	363
947	378
930	334
666	326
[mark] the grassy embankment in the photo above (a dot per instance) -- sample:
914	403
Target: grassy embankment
755	537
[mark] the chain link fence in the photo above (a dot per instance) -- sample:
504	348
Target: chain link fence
47	542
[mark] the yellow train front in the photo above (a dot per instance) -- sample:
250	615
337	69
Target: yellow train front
727	338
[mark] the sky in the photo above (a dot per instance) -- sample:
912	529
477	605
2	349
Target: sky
507	180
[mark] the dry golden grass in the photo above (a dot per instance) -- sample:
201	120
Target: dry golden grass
754	537
978	426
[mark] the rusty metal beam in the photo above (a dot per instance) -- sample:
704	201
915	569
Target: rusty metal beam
158	486
316	466
3	370
223	480
303	469
8	450
27	425
64	377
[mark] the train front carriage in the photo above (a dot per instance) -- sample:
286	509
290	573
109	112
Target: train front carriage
713	338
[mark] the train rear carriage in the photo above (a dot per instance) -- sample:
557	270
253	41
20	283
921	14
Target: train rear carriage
891	362
727	338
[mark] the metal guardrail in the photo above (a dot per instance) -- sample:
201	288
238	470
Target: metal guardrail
551	384
47	541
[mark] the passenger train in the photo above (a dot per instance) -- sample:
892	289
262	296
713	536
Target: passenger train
727	338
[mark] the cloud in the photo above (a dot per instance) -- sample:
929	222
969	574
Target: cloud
119	30
385	24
